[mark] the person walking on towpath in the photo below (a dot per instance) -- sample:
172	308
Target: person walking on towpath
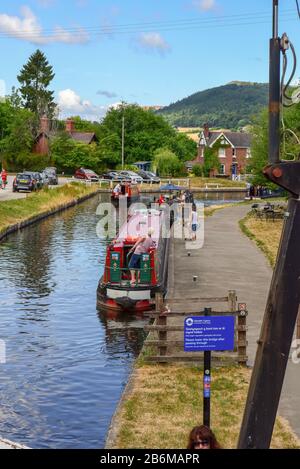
3	178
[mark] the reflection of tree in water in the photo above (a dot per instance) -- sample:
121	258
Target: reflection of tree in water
124	332
31	265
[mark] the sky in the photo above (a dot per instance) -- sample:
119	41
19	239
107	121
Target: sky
150	52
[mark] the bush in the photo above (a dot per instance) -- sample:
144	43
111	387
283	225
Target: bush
197	170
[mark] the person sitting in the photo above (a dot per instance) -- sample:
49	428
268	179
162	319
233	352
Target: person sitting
161	199
142	246
202	437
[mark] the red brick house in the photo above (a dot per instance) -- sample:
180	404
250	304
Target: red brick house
233	150
41	145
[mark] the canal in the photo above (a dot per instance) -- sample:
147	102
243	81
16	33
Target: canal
66	364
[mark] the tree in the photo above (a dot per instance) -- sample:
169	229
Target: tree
211	161
145	132
34	78
166	163
197	170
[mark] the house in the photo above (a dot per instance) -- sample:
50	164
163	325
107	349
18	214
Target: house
45	134
233	150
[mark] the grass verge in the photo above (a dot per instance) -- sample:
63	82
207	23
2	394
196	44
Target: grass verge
266	234
165	402
37	203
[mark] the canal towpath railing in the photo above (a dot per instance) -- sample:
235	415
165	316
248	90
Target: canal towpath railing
165	341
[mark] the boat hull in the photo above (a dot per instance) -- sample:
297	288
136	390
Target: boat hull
136	299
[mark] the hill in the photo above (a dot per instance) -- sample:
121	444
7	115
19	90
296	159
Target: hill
229	106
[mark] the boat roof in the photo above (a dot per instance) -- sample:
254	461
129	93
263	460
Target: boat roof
139	224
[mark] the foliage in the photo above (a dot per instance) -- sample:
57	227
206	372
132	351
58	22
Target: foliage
230	106
166	163
259	146
69	155
16	146
34	78
197	170
211	161
145	132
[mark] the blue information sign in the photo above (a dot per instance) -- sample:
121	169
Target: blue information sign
204	333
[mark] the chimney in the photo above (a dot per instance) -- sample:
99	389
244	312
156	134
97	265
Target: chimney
206	131
70	125
44	124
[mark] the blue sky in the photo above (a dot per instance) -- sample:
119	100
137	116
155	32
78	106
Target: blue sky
147	51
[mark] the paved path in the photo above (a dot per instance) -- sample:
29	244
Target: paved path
8	194
230	261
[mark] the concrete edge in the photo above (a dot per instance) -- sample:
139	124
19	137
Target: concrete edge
114	427
42	216
7	444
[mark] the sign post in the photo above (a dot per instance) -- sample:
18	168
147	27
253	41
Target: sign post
206	381
205	334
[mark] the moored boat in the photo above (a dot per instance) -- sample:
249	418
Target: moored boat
115	289
125	190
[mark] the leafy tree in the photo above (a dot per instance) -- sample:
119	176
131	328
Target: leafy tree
197	170
18	140
166	163
145	132
211	161
34	78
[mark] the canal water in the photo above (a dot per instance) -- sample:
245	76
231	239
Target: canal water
66	364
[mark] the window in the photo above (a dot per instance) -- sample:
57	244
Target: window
222	169
248	153
233	152
222	153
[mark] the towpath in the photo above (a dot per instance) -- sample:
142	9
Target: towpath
231	261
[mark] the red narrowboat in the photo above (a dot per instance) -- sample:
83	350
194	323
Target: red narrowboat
125	190
115	289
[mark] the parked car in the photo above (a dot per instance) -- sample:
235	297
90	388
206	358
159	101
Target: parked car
148	176
112	175
24	182
132	176
41	181
50	174
86	174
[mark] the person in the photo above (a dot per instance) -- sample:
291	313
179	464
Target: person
194	221
3	178
117	189
161	199
142	246
202	437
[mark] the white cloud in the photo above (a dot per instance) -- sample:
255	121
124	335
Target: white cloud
204	5
153	42
27	28
70	104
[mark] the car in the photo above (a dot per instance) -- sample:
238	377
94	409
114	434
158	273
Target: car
50	174
40	179
112	175
86	175
132	176
149	177
24	182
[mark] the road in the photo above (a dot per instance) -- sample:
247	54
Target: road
8	194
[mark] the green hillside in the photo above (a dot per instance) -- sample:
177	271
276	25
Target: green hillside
230	106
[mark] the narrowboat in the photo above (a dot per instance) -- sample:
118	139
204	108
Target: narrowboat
115	290
125	190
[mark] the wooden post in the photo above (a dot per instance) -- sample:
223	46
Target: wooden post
298	326
161	321
242	338
232	309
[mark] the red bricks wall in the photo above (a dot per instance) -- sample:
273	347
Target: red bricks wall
42	145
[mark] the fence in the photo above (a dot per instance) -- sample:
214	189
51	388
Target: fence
169	318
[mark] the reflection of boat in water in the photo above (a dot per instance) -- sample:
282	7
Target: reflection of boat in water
127	191
115	290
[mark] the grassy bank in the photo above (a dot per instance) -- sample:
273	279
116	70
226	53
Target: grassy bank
165	402
200	183
266	234
37	203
